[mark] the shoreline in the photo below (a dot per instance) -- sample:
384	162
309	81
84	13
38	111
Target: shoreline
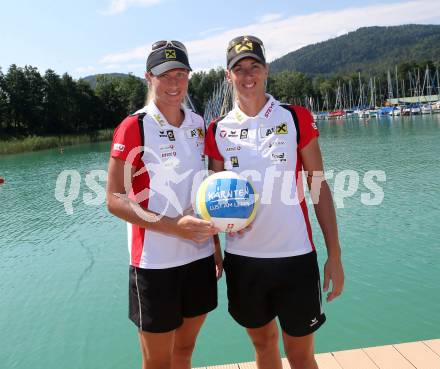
38	143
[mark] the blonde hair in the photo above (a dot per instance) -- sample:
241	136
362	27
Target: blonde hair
150	95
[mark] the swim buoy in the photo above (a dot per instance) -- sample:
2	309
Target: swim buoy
2	180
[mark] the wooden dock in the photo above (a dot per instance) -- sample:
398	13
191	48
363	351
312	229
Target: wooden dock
412	355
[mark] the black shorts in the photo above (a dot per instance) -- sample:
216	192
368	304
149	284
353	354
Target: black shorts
260	289
159	299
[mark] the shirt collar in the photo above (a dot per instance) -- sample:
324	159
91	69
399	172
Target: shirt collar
264	113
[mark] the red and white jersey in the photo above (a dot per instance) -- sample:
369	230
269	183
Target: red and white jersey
170	165
265	149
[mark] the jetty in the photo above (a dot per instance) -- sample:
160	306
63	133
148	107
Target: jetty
411	355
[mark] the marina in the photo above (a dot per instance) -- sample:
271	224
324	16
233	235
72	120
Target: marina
373	99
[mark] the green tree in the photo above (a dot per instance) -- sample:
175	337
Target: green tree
53	103
113	108
4	108
133	92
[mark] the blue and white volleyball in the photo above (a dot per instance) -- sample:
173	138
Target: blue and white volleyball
228	200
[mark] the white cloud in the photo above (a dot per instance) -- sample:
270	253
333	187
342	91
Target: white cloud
341	32
139	53
283	35
119	6
269	17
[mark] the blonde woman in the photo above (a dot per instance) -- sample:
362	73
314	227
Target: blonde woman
173	269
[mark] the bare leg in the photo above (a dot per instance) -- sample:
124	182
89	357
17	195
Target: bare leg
157	349
300	351
185	340
265	340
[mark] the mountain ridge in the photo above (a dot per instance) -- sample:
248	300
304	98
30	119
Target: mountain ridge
368	49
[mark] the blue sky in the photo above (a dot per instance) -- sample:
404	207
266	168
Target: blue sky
87	37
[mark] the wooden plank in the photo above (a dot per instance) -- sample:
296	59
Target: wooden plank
420	355
434	345
412	355
248	365
387	357
327	361
358	359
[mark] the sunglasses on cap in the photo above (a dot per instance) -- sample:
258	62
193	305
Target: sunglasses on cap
165	43
242	39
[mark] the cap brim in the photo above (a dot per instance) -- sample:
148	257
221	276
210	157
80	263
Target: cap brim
165	67
236	59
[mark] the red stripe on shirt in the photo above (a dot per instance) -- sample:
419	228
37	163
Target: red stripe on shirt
211	148
300	192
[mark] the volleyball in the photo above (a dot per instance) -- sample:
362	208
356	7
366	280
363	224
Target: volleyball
228	200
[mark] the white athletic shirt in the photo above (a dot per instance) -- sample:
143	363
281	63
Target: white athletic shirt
170	162
265	148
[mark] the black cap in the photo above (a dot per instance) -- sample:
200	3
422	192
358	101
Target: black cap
166	58
245	47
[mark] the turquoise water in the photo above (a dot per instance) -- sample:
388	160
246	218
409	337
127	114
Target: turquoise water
63	278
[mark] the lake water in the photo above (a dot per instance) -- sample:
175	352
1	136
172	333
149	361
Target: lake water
63	277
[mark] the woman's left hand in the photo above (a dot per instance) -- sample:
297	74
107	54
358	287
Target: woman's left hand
333	272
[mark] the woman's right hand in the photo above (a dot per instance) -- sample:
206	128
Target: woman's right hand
194	229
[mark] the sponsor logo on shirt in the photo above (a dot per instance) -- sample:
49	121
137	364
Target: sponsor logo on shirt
168	154
233	133
269	109
167	147
234	161
238	116
266	132
280	129
233	148
244	134
276	143
170	134
159	119
223	133
118	147
278	157
191	133
195	133
200	132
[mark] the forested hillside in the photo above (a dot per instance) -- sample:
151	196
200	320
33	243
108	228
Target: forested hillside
368	50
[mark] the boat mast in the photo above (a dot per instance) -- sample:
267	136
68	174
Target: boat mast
390	85
438	84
